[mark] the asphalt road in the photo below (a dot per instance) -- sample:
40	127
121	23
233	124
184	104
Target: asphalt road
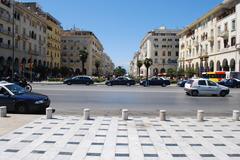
105	100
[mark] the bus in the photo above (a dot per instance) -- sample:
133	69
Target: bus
220	75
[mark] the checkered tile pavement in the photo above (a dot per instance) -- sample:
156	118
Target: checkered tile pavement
110	138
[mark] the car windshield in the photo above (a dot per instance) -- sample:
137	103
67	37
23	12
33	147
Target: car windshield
16	89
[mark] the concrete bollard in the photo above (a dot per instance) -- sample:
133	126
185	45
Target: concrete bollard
3	111
49	113
162	115
200	116
86	114
124	114
236	115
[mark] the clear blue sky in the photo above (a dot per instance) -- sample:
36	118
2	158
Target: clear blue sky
121	24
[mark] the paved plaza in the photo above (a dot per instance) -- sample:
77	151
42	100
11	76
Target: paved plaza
109	138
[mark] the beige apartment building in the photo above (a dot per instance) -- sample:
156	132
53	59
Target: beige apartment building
212	43
75	40
54	30
29	38
162	46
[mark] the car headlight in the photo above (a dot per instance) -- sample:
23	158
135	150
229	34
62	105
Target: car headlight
39	102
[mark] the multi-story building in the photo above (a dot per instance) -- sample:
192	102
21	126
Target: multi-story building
54	30
106	65
212	43
162	46
75	40
133	69
29	38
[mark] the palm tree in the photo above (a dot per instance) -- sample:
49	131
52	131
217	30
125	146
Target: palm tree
148	62
97	65
139	65
83	54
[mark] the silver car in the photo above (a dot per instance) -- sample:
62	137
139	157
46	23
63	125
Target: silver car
197	87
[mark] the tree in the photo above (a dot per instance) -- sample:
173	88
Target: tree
190	72
148	62
119	71
180	72
139	65
171	72
97	65
64	71
83	54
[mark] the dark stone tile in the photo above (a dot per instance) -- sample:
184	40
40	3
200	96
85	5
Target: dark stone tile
17	132
228	136
94	154
143	136
11	150
195	145
98	144
65	153
121	129
84	129
198	131
146	144
150	155
46	127
161	130
100	135
122	135
187	137
4	140
179	155
79	135
234	155
219	144
171	144
121	144
58	134
121	154
165	136
207	155
207	136
102	129
180	130
63	128
39	134
75	143
217	130
38	152
26	141
29	127
50	142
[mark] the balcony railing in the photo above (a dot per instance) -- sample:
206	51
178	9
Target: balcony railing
6	18
210	38
4	31
224	34
6	46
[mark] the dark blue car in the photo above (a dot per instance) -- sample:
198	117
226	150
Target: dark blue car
232	83
156	81
79	80
18	100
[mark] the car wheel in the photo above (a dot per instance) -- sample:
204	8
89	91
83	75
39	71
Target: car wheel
28	87
109	84
22	108
223	93
164	85
194	93
128	84
87	83
69	83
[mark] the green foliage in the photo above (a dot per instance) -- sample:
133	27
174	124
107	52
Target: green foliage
139	65
55	79
172	72
97	65
99	79
190	72
83	54
148	62
119	71
180	72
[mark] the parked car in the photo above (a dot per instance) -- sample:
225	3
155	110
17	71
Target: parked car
121	81
19	100
79	80
232	83
201	86
156	81
181	83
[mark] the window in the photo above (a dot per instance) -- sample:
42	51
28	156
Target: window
210	83
233	25
233	41
225	27
219	29
225	43
164	39
156	53
176	40
164	53
177	53
1	40
155	60
163	61
169	53
176	46
156	39
219	45
202	82
169	40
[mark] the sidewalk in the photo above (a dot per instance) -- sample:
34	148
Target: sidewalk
110	138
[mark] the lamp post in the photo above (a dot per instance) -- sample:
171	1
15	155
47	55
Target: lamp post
13	37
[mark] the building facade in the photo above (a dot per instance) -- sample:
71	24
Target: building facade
73	41
212	43
162	46
133	69
28	38
54	31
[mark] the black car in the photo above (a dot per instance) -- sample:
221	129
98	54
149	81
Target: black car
232	83
18	100
156	81
79	80
121	81
181	83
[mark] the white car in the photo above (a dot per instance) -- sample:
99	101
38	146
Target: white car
201	86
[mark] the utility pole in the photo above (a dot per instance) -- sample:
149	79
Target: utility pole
13	37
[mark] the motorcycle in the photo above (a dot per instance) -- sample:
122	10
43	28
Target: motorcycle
25	84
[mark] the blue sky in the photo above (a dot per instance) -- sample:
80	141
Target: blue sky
121	24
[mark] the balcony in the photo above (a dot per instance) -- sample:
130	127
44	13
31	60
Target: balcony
5	32
6	46
224	34
203	54
189	47
196	44
6	18
211	39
